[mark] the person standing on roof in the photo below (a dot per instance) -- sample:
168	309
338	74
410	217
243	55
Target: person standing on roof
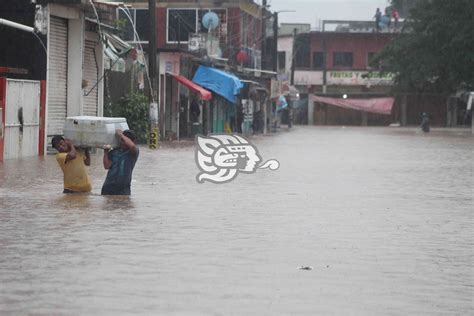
378	17
396	17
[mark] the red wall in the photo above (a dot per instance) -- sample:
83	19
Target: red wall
234	22
360	44
233	30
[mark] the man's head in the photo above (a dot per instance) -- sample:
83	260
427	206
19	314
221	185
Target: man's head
59	144
131	135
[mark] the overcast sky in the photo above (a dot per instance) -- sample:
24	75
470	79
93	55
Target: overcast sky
310	11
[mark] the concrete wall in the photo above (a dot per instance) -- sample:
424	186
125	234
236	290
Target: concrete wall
285	44
308	77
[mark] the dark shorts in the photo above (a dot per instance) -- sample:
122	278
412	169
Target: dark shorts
115	190
68	191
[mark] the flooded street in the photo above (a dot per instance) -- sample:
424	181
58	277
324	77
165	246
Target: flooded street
383	216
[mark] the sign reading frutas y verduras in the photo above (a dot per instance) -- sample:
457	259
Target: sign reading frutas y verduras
359	78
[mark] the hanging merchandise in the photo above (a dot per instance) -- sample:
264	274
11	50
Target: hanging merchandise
242	57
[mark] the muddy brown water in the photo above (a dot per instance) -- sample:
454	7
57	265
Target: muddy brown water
383	216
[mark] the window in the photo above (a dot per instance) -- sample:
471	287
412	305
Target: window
303	51
139	21
342	59
141	24
182	22
281	60
318	60
370	58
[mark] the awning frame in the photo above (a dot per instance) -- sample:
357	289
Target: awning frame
204	94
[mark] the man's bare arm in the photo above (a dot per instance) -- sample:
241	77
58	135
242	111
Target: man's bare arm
71	153
87	160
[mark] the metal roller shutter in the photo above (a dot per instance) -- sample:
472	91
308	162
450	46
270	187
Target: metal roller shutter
57	81
90	74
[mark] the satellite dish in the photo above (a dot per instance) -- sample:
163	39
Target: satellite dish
210	20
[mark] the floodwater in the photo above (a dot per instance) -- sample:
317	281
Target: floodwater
383	216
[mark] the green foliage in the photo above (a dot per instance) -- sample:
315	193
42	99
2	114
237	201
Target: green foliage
134	108
434	52
121	25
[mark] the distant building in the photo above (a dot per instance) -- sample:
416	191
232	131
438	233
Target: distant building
336	62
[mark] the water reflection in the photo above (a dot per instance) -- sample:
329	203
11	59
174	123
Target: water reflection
384	217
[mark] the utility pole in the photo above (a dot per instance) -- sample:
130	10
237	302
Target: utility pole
324	63
275	42
293	56
292	78
152	69
264	37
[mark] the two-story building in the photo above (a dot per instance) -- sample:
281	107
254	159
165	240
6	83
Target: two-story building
60	44
184	42
336	63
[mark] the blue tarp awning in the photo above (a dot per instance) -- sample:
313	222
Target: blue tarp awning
219	81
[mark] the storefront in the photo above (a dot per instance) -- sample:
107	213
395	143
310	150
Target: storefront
223	110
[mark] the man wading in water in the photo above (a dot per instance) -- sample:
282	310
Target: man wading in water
120	163
72	163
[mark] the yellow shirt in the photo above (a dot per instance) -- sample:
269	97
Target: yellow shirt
75	174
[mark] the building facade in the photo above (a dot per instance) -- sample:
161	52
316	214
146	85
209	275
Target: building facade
184	42
340	66
66	52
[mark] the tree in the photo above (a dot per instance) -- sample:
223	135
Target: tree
435	50
134	107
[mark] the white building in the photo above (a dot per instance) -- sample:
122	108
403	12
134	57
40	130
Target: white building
74	64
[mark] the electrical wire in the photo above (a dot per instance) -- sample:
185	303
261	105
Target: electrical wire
141	49
96	16
41	42
136	34
250	28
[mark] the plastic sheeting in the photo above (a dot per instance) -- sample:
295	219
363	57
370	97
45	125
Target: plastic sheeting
115	47
218	81
281	103
372	105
